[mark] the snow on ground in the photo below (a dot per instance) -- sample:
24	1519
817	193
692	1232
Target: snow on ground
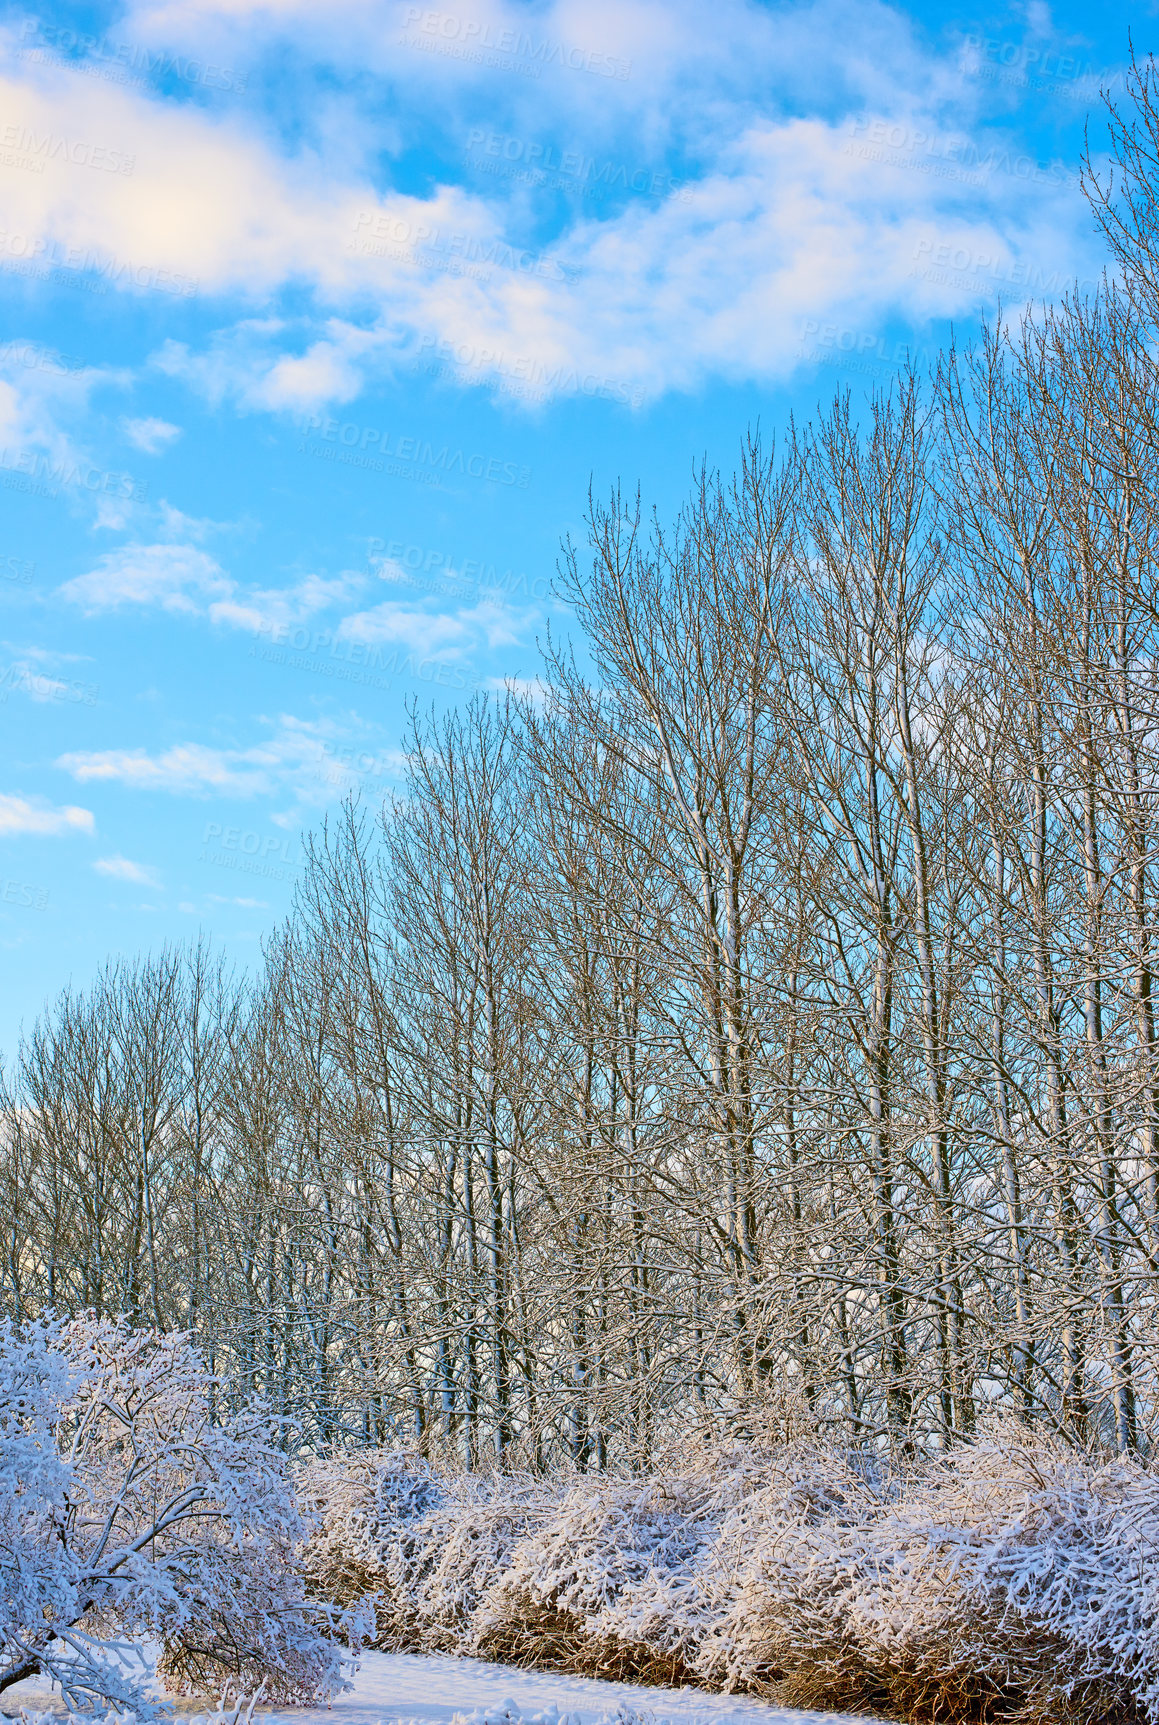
431	1689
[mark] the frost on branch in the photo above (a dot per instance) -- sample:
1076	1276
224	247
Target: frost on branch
421	1550
1011	1579
362	1545
126	1510
595	1584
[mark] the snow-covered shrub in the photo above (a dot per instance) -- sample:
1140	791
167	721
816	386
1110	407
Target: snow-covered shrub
125	1509
806	1497
1019	1578
421	1551
1008	1580
563	1577
364	1509
1011	1579
594	1587
474	1535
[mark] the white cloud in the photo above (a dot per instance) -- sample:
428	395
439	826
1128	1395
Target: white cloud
187	769
438	635
45	400
174	577
309	762
166	227
501	625
328	371
272	365
297	758
596	62
783	221
151	436
790	224
185	579
430	634
120	868
178	526
265	609
33	816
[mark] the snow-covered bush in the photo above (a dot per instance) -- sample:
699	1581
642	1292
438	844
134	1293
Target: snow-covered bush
807	1496
1011	1579
126	1510
474	1536
421	1551
367	1512
1008	1580
576	1592
1020	1571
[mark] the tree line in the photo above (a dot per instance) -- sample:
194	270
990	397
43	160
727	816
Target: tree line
752	1026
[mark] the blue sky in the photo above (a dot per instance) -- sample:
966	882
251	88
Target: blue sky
319	320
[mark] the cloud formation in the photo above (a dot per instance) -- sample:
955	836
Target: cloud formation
304	758
781	219
36	818
121	868
186	580
171	577
151	436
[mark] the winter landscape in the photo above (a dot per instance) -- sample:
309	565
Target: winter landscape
660	1224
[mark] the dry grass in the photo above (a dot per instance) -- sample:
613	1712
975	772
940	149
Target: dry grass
557	1641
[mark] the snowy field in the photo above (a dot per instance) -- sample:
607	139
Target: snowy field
428	1689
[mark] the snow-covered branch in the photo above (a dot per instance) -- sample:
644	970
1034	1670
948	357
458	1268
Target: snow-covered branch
127	1510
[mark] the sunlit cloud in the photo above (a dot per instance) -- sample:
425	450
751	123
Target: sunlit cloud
34	817
121	868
